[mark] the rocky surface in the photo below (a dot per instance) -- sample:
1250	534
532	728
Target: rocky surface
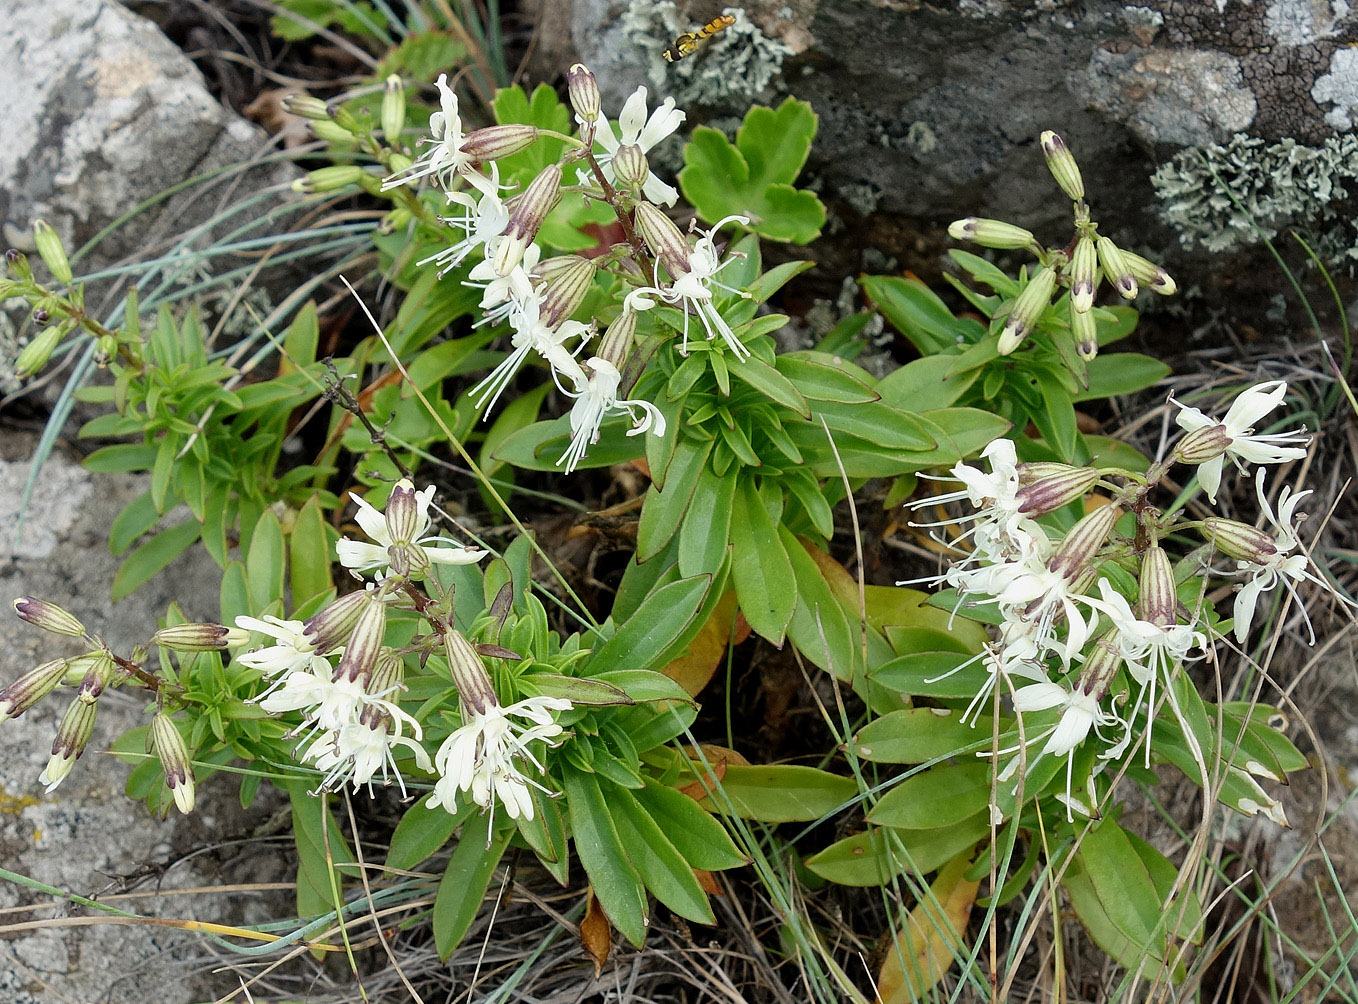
102	113
931	109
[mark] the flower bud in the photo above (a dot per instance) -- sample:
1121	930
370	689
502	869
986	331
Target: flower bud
397	163
48	616
531	209
332	132
1026	309
1158	599
31	688
331	626
1240	540
96	679
174	761
1115	268
17	263
494	142
630	167
388	674
52	253
991	234
344	118
328	179
584	94
77	725
617	342
566	290
77	668
304	106
1101	666
1085	332
403	512
393	116
468	673
361	651
663	238
1080	545
1149	274
1060	488
201	637
1061	163
1203	444
1084	275
38	351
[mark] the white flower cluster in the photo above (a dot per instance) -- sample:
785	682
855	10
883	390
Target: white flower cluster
335	671
1067	630
537	296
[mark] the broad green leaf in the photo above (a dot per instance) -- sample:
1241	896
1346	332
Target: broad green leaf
780	793
937	797
760	568
698	836
705	533
322	851
617	886
661	867
152	557
1122	373
310	552
925	384
466	879
137	518
663	511
754	177
421	832
914	310
919	735
769	382
824	377
659	629
860	859
265	564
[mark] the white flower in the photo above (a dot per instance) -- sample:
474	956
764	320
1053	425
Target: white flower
482	223
694	289
634	129
326	703
599	399
482	757
445	158
1150	652
1281	567
531	334
360	747
365	557
1001	532
1238	427
294	652
1036	594
503	295
1080	712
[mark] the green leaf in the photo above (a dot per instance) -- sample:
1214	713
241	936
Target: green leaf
705	533
926	384
421	832
264	565
760	568
861	859
661	867
918	735
939	796
754	177
121	457
824	377
1122	373
660	628
616	883
314	829
915	311
769	382
663	510
464	884
152	557
137	518
702	840
309	553
780	793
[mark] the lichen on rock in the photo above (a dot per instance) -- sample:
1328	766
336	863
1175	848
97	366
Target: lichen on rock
738	64
1277	185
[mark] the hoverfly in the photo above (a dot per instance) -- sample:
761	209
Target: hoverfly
688	43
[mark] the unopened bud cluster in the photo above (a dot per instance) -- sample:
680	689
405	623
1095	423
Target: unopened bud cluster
1090	260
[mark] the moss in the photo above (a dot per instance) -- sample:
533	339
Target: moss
731	68
1284	184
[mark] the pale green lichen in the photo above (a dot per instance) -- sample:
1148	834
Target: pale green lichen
1284	184
732	67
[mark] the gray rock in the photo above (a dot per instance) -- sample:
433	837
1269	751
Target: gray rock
1126	85
86	834
102	113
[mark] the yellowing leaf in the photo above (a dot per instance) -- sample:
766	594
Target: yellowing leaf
924	949
695	667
